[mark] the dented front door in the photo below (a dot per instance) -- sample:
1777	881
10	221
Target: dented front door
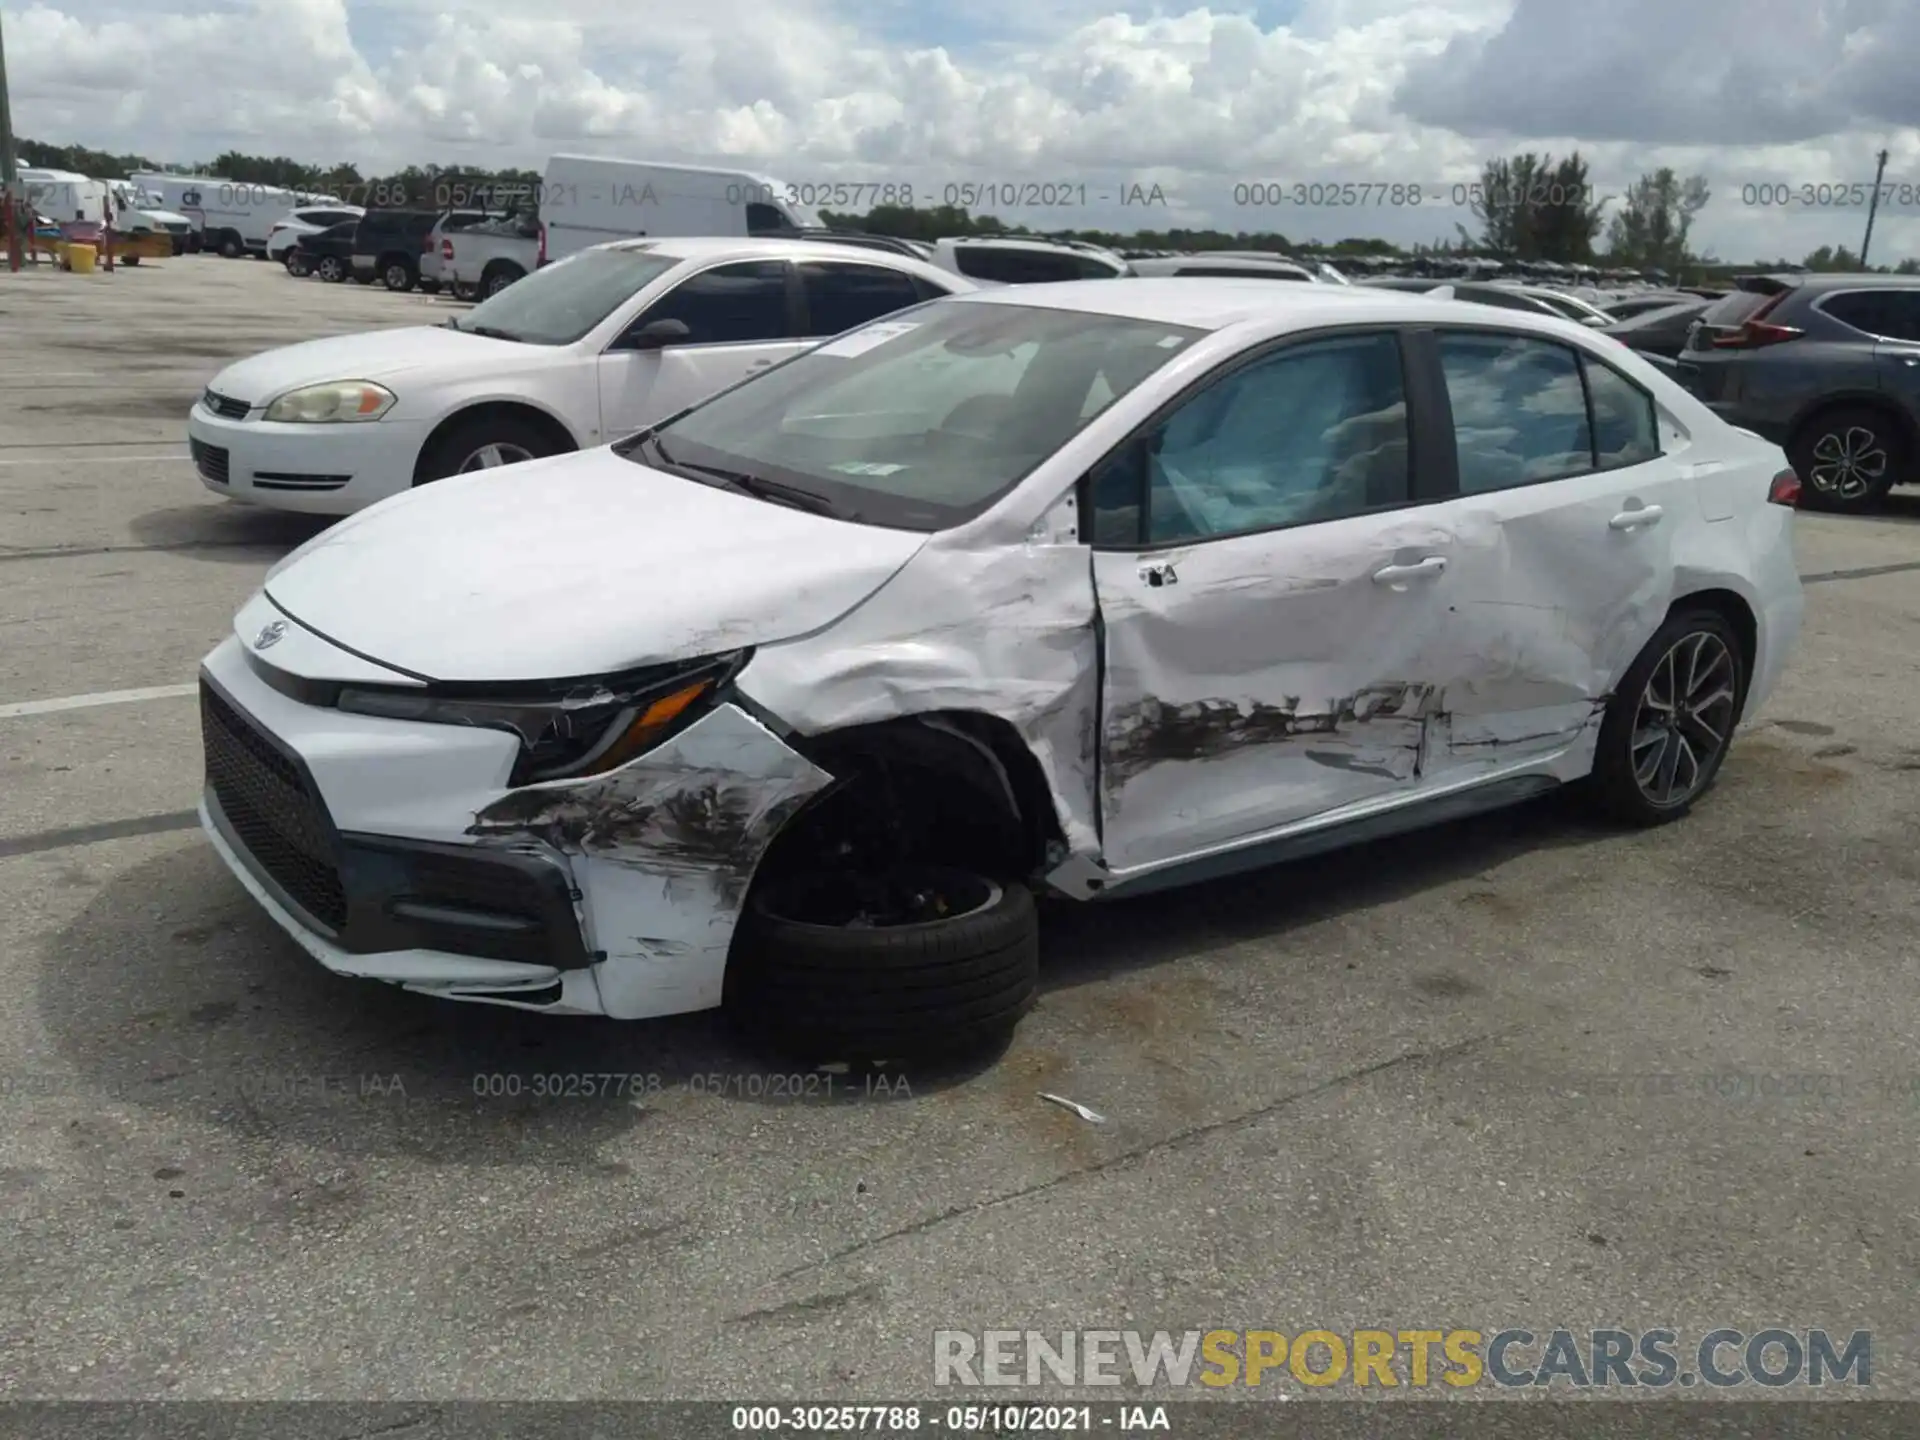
1274	632
1260	680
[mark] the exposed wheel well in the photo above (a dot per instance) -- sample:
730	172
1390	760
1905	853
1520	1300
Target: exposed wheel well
557	433
954	787
496	267
1902	420
1735	611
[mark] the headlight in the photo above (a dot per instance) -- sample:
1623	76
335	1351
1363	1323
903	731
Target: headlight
589	729
337	400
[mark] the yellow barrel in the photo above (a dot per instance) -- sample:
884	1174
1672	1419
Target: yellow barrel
81	258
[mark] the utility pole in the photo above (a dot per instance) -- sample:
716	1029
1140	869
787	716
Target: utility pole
9	177
1873	205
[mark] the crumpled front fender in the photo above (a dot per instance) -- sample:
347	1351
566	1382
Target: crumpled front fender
663	851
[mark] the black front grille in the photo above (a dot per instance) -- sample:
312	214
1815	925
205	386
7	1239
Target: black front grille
209	460
225	405
271	810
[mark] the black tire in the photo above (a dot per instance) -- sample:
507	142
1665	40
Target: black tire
934	990
455	450
1614	786
498	276
1849	457
398	275
464	291
129	259
194	243
230	246
330	268
429	287
297	265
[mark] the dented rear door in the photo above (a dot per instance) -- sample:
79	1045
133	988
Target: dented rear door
1563	544
1273	605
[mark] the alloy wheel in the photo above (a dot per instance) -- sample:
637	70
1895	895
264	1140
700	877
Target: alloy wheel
1685	719
488	457
1847	462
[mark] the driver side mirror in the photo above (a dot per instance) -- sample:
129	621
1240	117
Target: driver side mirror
656	335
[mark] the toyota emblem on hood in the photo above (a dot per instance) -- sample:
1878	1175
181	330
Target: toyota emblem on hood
270	635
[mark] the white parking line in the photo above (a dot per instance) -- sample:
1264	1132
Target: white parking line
101	697
83	460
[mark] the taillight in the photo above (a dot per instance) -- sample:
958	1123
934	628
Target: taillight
426	244
1785	489
541	259
446	249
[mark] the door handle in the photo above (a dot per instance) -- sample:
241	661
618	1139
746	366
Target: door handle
1634	519
1399	574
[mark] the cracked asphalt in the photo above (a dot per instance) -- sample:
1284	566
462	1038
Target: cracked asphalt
1524	1071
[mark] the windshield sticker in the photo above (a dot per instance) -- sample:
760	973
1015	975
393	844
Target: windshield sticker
867	467
862	341
1171	342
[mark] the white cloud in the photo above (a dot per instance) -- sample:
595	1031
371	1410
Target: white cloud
1057	91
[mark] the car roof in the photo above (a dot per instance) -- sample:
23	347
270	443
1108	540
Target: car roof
1849	280
1204	302
774	247
1163	265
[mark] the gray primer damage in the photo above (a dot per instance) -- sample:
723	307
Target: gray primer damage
1152	732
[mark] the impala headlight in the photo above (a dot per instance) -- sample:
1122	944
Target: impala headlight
585	729
337	400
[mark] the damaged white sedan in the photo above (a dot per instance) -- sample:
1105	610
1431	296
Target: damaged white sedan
794	701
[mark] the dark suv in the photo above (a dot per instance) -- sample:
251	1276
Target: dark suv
1826	366
387	246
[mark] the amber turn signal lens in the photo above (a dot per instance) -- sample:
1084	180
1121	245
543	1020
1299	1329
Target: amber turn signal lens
647	726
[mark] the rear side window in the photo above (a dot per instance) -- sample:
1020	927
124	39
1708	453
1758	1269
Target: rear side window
1890	314
1519	410
980	263
1626	430
839	296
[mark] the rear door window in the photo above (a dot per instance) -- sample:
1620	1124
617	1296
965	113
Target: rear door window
1889	314
840	296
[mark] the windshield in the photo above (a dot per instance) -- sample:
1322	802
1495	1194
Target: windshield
924	419
559	303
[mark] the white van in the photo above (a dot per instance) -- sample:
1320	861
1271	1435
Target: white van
66	195
230	216
590	199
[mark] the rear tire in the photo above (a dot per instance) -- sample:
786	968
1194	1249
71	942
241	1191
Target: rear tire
937	989
1848	458
331	268
497	277
1647	738
230	246
397	276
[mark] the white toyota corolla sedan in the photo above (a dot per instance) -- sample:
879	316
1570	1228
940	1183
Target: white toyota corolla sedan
579	353
793	701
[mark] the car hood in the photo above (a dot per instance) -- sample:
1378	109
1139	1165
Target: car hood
368	355
576	565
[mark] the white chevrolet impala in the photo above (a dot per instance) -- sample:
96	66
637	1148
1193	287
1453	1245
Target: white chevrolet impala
579	353
792	702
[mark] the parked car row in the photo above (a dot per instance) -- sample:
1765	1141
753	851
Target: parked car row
902	596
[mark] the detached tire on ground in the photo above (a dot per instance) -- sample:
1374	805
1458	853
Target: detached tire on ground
820	989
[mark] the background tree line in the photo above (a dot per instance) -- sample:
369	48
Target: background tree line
1525	207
